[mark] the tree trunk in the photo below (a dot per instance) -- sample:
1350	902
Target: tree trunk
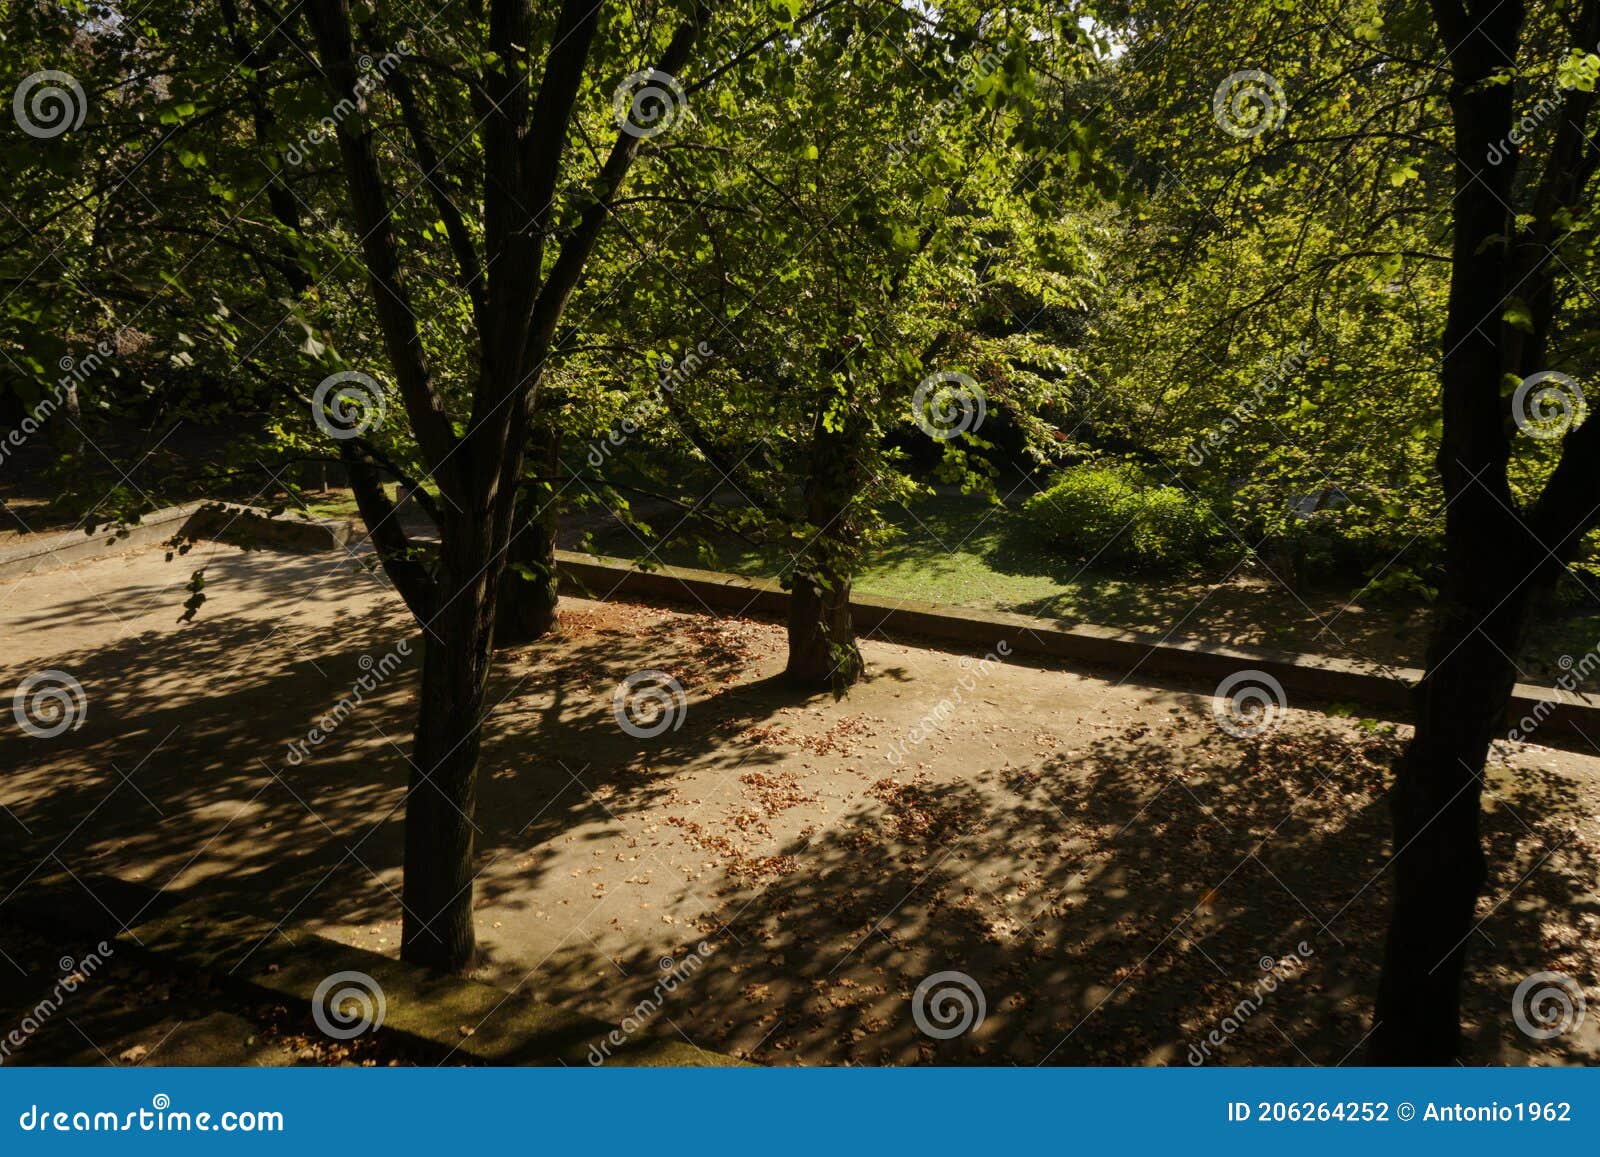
822	638
1439	866
441	800
822	647
528	590
529	595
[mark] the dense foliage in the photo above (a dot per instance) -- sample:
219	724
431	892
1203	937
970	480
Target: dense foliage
1115	516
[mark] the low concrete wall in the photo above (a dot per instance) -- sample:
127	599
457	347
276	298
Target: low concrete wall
48	551
1317	678
243	526
252	529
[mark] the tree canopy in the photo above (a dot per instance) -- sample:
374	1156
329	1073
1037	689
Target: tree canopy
1304	287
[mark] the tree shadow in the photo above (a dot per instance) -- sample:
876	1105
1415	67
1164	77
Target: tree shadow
263	760
1113	900
1149	900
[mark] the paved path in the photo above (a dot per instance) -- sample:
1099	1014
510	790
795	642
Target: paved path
1106	864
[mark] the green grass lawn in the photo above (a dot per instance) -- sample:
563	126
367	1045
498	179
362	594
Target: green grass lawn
961	550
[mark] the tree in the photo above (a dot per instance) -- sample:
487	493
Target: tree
475	454
1417	172
1514	316
874	206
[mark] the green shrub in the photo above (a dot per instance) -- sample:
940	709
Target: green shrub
1117	517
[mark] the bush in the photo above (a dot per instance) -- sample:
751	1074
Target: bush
1117	517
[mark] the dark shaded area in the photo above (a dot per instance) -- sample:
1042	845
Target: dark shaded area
79	1007
168	771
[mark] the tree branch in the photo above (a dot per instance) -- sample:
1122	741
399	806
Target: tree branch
330	23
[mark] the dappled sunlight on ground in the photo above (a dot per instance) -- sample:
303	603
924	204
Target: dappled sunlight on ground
1105	864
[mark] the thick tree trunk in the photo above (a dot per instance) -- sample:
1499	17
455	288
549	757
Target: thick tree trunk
822	647
441	801
529	603
529	596
822	639
1439	867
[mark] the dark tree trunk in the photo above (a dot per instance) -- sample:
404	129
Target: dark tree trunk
441	801
1438	866
529	590
822	639
529	603
822	647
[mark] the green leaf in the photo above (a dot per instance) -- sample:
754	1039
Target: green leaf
1402	171
1518	316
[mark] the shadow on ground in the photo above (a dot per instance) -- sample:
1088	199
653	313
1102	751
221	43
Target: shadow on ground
1112	892
1118	906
